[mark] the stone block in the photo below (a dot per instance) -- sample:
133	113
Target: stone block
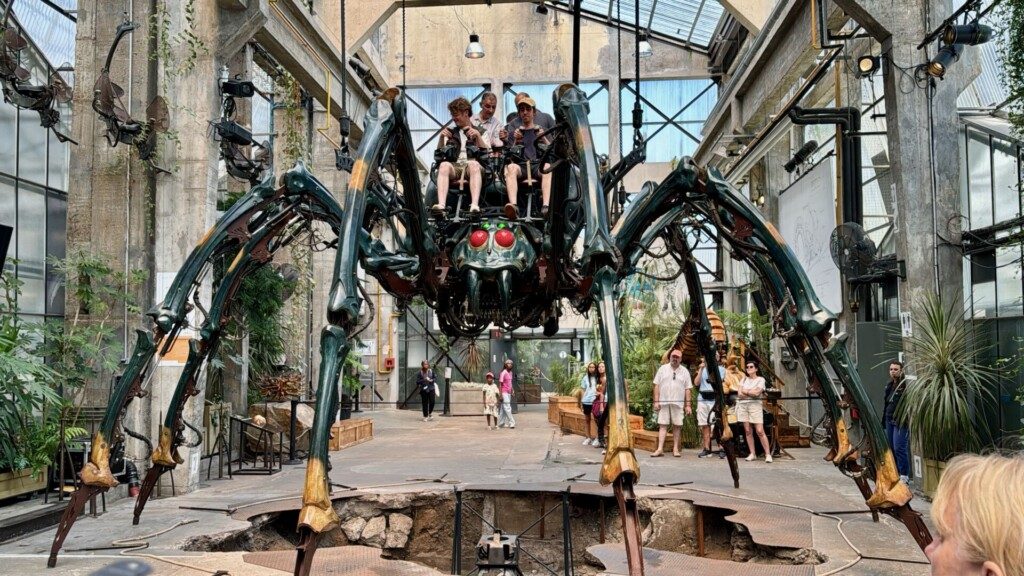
373	532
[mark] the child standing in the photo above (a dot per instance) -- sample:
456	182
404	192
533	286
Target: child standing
491	401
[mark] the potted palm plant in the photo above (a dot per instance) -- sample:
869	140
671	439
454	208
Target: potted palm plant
948	387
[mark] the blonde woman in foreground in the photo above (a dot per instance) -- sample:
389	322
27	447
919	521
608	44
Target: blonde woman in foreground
979	512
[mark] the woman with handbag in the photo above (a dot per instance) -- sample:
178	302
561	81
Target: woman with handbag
427	384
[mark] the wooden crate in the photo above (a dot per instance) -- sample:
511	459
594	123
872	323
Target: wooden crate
557	403
572	421
21	482
646	440
349	433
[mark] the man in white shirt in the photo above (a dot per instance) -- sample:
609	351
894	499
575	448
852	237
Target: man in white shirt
671	399
487	121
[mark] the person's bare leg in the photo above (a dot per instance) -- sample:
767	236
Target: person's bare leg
764	440
662	432
444	174
476	179
750	439
512	172
677	432
705	433
545	186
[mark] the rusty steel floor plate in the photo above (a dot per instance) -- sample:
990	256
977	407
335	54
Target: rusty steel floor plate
768	524
347	560
660	563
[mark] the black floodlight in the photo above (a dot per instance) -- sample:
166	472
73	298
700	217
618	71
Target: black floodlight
801	156
238	88
867	65
541	9
946	57
970	34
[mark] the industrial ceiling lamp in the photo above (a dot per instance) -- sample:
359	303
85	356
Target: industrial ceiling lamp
946	57
646	50
474	49
541	8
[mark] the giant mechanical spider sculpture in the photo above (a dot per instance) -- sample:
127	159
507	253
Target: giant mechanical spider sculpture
511	273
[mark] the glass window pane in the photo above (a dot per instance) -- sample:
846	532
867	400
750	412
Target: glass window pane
31	247
1008	281
31	148
58	163
1004	180
9	128
56	234
980	169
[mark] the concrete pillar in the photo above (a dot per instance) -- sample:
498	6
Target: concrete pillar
918	119
185	202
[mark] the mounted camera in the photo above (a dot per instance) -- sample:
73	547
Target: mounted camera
238	88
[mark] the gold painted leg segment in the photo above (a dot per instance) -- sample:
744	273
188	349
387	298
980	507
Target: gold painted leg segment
163	454
317	511
96	471
889	491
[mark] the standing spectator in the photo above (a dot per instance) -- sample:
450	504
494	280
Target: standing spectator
898	436
505	378
977	510
671	397
706	403
749	411
427	384
491	395
589	386
602	400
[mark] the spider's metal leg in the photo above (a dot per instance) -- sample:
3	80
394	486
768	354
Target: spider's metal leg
620	468
707	347
255	253
826	360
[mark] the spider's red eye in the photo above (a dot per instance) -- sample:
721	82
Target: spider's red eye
478	238
505	238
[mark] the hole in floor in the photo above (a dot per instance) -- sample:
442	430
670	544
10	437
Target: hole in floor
420	527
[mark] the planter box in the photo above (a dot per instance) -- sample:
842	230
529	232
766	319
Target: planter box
933	470
21	482
557	403
572	420
648	440
349	433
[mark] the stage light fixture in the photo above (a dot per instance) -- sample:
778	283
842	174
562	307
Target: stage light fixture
867	65
646	50
946	57
801	156
239	88
474	49
541	9
970	34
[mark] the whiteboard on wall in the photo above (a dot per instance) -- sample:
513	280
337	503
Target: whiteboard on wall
807	216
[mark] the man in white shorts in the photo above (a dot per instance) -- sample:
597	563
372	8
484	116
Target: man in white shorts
706	404
671	399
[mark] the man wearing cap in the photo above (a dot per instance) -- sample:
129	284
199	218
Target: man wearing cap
505	418
463	134
525	131
671	397
491	395
543	119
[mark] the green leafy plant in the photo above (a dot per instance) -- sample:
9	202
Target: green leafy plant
85	347
752	327
940	404
1011	50
565	376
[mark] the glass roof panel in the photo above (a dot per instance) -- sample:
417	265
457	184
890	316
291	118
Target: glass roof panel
685	21
50	31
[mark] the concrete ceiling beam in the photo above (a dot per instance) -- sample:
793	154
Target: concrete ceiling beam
298	42
752	14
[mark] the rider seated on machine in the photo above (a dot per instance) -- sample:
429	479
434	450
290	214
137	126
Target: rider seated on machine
523	131
464	134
